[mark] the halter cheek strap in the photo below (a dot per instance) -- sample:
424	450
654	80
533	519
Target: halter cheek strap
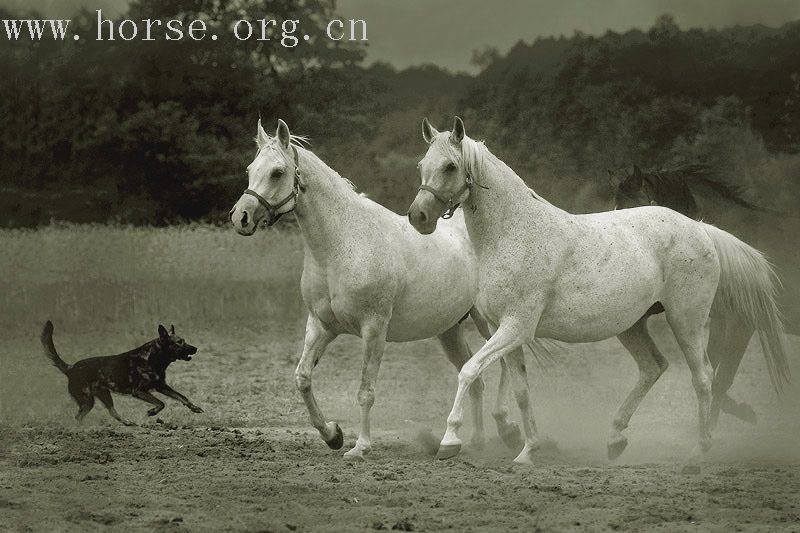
450	203
297	187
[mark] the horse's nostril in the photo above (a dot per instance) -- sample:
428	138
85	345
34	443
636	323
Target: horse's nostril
423	218
244	219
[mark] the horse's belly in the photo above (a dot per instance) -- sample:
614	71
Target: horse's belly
427	309
593	315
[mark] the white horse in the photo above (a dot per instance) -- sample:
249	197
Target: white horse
544	272
366	272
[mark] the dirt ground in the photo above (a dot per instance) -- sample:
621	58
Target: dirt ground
252	463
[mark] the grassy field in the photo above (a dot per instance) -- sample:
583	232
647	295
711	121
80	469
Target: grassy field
251	463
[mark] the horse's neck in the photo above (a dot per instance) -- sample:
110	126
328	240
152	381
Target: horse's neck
324	207
497	197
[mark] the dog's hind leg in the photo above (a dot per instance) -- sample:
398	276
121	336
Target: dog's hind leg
86	403
105	397
149	398
84	399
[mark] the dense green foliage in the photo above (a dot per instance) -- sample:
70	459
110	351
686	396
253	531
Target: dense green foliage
159	132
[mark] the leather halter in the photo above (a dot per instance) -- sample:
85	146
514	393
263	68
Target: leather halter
272	210
448	202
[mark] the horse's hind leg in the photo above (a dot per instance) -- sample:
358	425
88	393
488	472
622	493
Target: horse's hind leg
316	340
458	352
688	328
651	365
726	346
508	431
516	362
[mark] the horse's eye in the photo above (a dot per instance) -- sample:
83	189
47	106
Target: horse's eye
450	167
277	173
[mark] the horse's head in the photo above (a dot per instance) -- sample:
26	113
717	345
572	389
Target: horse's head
633	191
445	180
272	182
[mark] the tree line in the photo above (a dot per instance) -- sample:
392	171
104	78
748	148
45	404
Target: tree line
160	132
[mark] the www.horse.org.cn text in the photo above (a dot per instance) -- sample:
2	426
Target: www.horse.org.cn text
287	33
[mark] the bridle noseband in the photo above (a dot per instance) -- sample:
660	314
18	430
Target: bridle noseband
448	202
272	210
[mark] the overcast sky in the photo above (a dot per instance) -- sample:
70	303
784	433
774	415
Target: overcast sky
444	32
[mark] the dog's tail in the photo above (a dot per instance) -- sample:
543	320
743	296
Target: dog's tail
50	348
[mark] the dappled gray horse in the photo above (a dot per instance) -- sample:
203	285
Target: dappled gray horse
543	272
366	272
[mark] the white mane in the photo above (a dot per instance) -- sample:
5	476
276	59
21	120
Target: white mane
302	142
472	157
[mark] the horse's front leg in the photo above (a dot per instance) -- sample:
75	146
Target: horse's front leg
316	340
374	337
508	431
458	352
507	338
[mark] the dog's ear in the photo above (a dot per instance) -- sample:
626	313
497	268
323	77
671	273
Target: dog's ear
162	332
172	329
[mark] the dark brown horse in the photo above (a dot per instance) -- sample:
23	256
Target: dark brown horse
696	192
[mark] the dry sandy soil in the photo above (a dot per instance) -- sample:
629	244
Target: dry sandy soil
251	462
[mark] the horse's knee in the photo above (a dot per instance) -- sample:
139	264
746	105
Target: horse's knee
702	384
477	387
467	375
366	397
302	380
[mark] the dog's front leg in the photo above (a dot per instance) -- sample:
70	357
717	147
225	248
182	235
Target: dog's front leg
149	398
166	390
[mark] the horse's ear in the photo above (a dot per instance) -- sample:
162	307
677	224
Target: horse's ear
172	329
283	134
636	177
458	130
162	332
428	131
261	136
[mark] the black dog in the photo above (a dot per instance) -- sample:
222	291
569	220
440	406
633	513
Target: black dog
136	372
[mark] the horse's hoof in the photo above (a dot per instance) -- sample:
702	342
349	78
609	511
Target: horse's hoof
524	457
355	455
616	446
337	441
511	436
447	451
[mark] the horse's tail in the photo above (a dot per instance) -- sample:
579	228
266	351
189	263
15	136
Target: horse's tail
747	288
50	348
